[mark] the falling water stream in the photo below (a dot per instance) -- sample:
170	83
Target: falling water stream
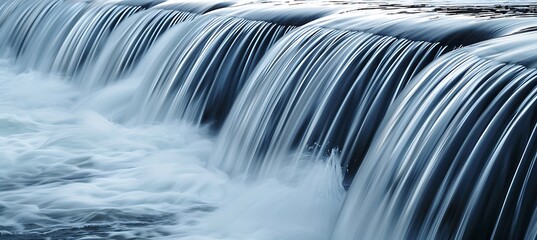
183	119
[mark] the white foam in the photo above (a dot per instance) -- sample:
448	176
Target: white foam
66	168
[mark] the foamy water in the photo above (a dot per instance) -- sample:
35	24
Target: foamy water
69	168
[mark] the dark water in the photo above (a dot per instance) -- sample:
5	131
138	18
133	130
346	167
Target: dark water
146	119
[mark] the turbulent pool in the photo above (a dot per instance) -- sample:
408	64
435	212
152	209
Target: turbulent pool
68	172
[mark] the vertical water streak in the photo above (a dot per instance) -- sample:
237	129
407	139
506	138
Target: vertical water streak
60	36
47	38
20	19
332	84
87	37
7	7
455	157
128	43
205	69
324	91
199	72
135	36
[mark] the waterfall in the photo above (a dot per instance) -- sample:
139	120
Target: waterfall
65	37
25	18
232	119
334	87
197	74
5	8
36	47
61	36
455	157
128	44
135	36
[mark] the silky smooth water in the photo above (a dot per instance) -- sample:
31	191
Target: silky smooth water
69	172
153	119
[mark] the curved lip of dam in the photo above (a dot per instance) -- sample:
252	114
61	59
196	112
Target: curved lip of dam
253	10
282	14
516	49
417	25
193	6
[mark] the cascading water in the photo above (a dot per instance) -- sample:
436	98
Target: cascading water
131	41
62	36
334	87
134	37
455	158
178	119
202	67
315	66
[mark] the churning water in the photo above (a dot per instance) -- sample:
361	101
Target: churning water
69	172
153	119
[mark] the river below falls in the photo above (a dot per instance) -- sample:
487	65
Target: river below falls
68	170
